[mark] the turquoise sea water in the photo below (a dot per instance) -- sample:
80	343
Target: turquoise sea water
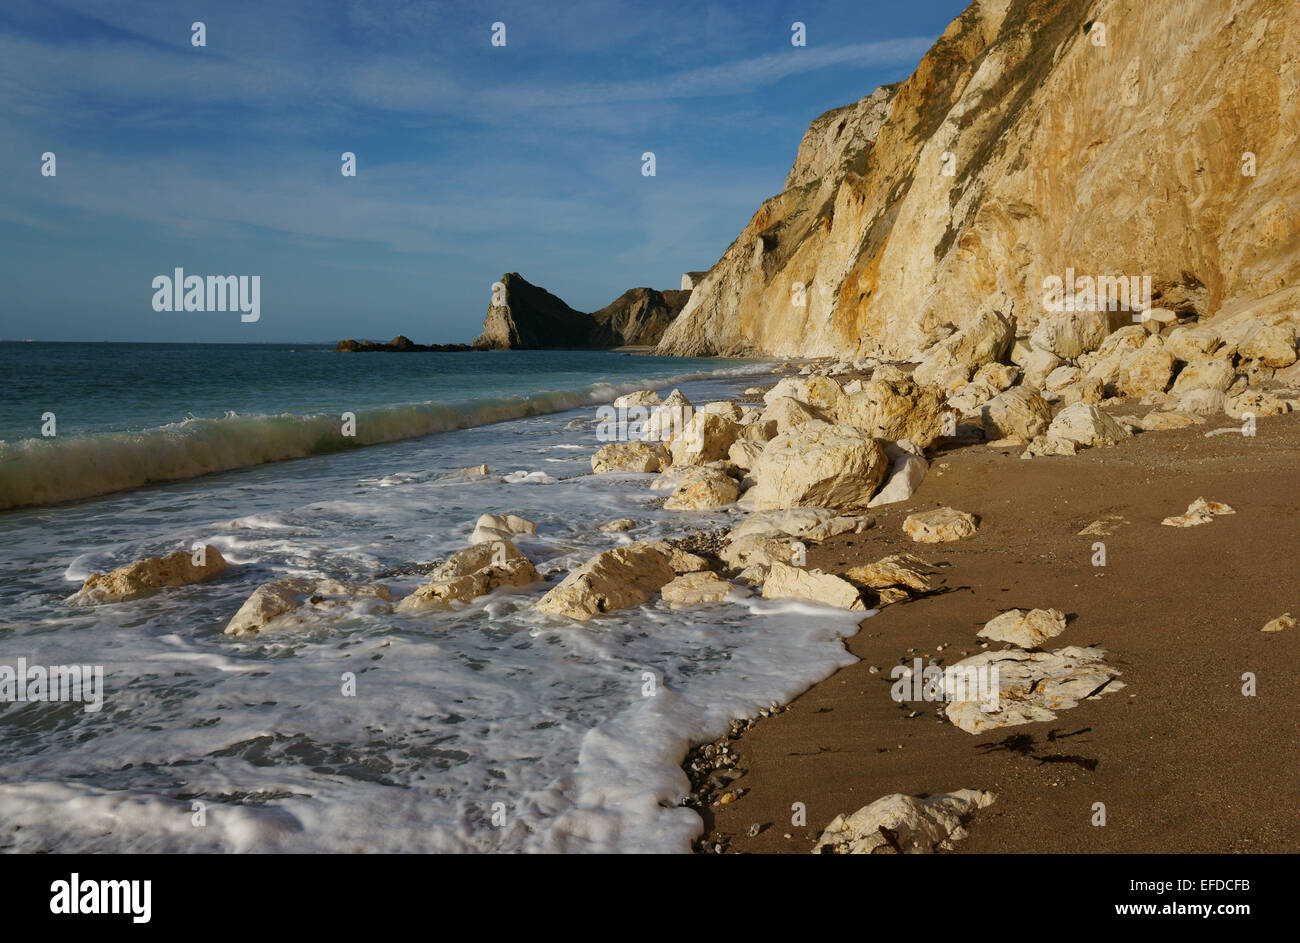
126	415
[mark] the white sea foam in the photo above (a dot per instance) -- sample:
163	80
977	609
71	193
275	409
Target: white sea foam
453	712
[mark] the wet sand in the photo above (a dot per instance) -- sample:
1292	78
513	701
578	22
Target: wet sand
1181	759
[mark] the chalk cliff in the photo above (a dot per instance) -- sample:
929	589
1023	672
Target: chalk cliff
1110	137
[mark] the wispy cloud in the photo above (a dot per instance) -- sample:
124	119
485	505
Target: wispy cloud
472	159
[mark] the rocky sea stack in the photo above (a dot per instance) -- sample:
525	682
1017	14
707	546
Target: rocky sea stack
525	316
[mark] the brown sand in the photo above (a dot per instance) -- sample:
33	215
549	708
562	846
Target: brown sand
1182	760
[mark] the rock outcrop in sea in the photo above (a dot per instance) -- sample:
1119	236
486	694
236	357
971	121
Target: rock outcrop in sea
400	344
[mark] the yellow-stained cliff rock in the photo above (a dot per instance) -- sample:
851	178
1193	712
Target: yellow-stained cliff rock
1104	136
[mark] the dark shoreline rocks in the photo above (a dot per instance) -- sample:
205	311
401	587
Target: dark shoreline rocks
399	344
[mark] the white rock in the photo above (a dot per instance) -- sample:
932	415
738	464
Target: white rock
893	406
1062	377
786	413
702	489
1198	512
1019	413
669	418
916	825
1070	334
822	393
1159	421
618	524
491	527
616	579
1271	344
1031	686
1086	426
906	473
706	438
691	589
792	582
290	602
724	408
470	573
952	361
1187	343
819	465
940	525
638	398
1026	629
632	457
1205	373
1039	365
744	453
1284	621
1202	402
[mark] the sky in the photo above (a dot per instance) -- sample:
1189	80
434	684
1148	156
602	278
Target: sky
472	159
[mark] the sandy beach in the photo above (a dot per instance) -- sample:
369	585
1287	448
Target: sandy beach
1182	760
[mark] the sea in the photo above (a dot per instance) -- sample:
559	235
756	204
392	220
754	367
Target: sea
488	727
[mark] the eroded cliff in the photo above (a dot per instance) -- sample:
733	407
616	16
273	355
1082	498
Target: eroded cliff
1106	137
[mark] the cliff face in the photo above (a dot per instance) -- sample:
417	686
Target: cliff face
524	316
1036	136
531	317
638	316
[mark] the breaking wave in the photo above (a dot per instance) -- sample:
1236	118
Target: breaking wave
41	471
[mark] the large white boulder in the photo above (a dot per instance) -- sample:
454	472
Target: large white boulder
906	472
1086	426
792	582
1026	629
952	361
1019	413
638	398
819	465
702	489
692	589
669	418
893	406
706	438
786	413
470	573
616	579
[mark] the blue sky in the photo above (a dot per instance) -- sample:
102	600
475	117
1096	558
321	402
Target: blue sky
472	160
